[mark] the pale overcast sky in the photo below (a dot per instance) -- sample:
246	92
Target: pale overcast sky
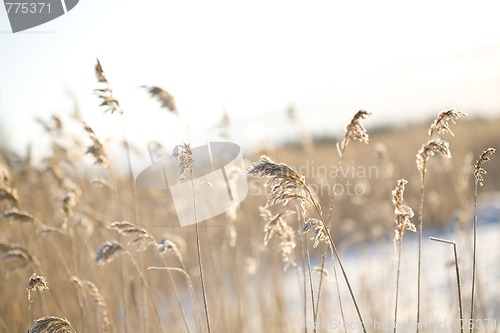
401	60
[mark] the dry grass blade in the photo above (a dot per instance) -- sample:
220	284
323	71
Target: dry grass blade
96	149
478	167
108	252
430	149
354	131
106	93
166	99
51	324
441	124
403	212
142	238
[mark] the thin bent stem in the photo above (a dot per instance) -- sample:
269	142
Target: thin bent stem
474	245
420	222
190	287
199	256
323	259
400	244
148	289
457	269
334	251
310	281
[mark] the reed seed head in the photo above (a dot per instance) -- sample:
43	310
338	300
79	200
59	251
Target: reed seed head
441	124
354	131
276	224
285	183
402	212
36	282
108	252
51	324
184	155
166	99
320	234
96	149
143	239
430	149
478	167
106	93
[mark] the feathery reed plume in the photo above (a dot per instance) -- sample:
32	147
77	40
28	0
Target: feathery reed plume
143	239
19	256
166	99
457	270
108	252
54	128
106	93
478	176
165	245
354	131
478	167
285	183
7	191
98	299
184	155
441	124
276	224
96	149
403	215
430	149
35	282
320	234
18	216
51	324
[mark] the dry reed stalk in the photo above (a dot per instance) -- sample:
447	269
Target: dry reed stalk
166	99
287	184
354	130
143	239
98	299
433	146
35	282
184	155
403	215
51	325
479	181
427	151
457	270
112	249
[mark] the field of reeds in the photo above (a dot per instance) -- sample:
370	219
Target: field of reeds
388	230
